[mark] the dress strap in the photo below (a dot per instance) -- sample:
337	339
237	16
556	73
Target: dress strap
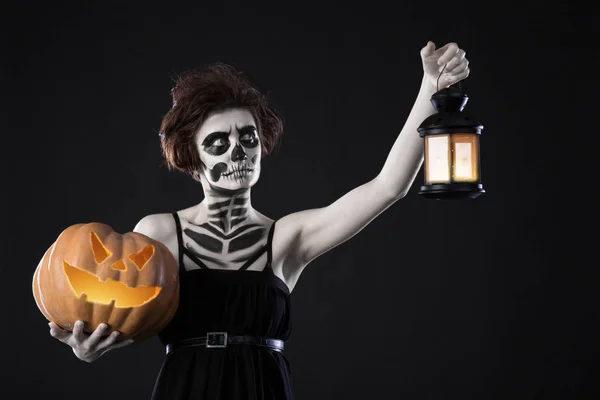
182	250
254	258
270	245
267	248
179	240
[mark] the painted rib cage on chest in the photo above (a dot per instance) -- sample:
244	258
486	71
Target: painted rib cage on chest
210	243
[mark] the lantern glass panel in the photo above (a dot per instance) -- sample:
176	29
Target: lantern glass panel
465	157
437	159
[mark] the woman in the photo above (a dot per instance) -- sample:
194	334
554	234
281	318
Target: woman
237	266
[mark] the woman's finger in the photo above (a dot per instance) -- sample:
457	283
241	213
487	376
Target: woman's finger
59	333
450	51
456	61
454	78
109	341
113	342
96	336
459	68
78	334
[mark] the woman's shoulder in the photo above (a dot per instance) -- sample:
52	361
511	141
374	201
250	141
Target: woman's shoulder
157	226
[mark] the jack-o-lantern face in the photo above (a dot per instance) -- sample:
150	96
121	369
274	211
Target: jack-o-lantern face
95	290
96	275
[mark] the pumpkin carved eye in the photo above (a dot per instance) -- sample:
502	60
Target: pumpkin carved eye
101	253
141	259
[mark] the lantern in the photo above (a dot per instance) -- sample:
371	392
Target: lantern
452	166
96	275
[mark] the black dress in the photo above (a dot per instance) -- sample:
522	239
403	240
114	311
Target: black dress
238	302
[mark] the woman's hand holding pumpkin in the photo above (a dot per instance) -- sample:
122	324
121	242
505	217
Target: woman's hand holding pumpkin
88	347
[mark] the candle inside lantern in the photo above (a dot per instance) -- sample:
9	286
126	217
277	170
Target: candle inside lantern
437	154
465	158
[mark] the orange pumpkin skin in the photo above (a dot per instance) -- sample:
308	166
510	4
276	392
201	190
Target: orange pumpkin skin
96	275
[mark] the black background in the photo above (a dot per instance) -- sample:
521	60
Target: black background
492	298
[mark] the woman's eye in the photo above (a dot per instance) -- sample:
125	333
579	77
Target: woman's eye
247	137
218	143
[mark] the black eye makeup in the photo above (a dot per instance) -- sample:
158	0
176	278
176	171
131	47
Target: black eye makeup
248	136
216	143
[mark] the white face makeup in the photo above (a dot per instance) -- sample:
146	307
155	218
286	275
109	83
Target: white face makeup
229	147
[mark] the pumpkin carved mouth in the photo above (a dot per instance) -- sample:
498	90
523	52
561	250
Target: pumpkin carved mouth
89	285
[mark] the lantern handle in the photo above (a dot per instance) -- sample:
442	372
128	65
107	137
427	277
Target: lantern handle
437	84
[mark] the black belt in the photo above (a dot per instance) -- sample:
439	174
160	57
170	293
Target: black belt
220	340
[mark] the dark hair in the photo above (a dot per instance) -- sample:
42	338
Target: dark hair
201	92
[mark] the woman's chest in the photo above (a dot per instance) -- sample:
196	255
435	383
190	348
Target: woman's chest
206	246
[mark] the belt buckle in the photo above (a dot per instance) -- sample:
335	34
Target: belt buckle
216	340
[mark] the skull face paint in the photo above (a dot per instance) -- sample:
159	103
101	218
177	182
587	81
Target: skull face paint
229	148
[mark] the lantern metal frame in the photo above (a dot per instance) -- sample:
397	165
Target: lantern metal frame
450	120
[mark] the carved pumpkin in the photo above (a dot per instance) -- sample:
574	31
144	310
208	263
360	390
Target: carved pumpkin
94	274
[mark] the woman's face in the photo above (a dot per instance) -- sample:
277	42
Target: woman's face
230	150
